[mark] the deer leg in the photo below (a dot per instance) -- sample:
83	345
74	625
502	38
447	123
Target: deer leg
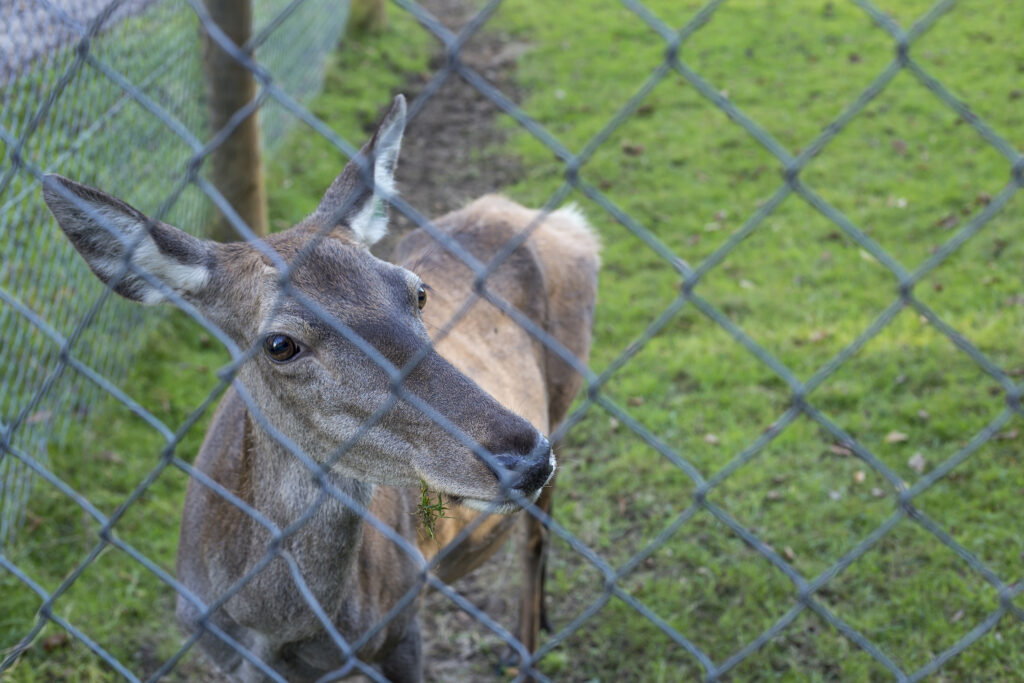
405	663
545	622
532	615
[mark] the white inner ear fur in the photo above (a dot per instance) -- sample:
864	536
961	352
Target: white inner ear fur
371	223
181	277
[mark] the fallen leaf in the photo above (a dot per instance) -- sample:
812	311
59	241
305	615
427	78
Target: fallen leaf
957	616
917	462
859	476
55	641
711	439
877	492
613	424
32	522
773	495
788	552
835	495
633	150
635	400
839	449
896	437
923	414
1008	435
41	416
998	247
819	335
111	457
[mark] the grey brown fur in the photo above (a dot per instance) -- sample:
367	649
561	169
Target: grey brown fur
488	377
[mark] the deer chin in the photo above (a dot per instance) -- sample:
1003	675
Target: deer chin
508	504
499	507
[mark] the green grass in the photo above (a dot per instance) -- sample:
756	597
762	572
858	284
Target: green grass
906	170
116	601
909	173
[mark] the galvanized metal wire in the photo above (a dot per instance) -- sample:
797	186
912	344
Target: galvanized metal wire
59	113
77	91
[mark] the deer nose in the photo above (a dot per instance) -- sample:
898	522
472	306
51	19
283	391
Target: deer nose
527	473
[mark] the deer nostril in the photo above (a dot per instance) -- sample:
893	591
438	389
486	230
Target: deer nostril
527	472
519	442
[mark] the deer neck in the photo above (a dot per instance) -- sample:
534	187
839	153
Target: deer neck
283	488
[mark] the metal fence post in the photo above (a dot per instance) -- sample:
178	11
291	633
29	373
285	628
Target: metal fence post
237	169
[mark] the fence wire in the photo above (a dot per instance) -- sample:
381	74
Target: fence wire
82	85
57	115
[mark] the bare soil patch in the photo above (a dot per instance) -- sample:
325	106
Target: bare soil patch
450	156
450	152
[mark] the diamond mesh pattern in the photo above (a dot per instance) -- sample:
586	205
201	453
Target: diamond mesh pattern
59	112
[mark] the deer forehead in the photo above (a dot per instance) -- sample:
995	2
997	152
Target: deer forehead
331	279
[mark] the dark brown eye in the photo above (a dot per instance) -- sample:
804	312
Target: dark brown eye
281	348
421	297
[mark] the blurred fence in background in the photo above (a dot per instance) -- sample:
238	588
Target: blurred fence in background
116	121
96	122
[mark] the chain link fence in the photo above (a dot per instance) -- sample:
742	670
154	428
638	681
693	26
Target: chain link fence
80	98
90	113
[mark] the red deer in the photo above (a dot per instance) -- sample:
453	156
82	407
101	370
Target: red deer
488	379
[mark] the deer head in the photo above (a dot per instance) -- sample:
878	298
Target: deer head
309	376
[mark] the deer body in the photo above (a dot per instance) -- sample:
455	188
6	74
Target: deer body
310	388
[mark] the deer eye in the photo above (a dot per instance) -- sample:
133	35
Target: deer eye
281	348
421	296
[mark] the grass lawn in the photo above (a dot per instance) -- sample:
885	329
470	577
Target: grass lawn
907	170
910	173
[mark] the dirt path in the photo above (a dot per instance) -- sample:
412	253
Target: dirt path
449	157
449	153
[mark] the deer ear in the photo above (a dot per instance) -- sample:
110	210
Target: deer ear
354	202
109	234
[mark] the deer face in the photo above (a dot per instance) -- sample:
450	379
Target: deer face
328	324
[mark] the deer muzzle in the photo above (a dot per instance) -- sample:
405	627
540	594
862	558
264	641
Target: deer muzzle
520	478
526	473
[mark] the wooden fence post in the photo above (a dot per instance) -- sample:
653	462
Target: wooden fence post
369	16
237	169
